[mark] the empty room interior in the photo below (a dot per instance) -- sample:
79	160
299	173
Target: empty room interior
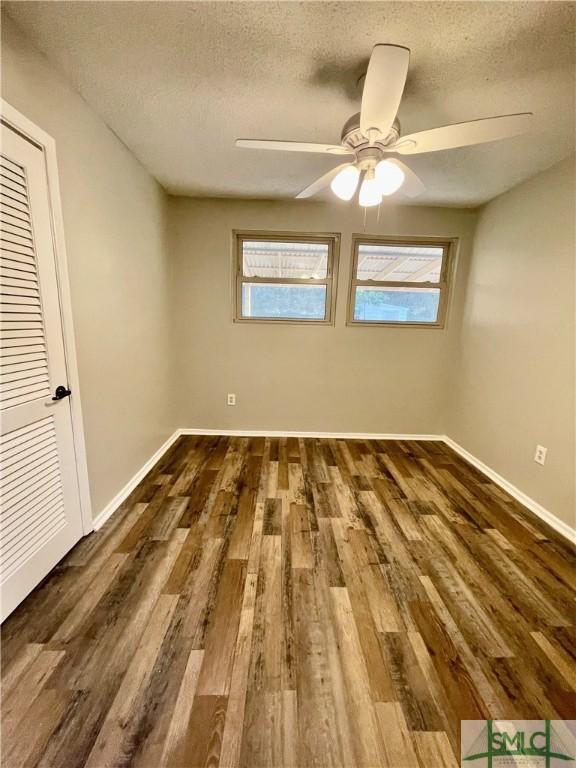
288	384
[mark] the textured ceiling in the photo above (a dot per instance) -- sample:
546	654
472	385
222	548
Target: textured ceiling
179	81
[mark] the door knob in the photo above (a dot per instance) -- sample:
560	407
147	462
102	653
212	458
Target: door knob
61	393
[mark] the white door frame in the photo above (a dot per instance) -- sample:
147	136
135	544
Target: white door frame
34	133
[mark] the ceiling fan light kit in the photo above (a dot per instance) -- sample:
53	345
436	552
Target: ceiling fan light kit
375	132
381	179
345	182
370	193
389	176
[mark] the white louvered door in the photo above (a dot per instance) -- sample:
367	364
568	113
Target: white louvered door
40	517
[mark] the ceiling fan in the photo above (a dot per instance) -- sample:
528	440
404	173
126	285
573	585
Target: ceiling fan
374	133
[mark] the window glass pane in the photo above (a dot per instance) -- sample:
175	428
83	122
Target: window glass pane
298	302
396	305
399	263
287	259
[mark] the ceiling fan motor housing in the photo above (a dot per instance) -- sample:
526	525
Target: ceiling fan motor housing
353	138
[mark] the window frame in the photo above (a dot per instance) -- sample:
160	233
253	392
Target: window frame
448	245
332	239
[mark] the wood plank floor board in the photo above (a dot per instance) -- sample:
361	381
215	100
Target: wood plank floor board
292	603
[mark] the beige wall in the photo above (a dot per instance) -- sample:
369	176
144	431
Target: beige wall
296	377
514	385
115	237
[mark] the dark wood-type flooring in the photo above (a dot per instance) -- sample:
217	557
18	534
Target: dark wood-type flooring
288	602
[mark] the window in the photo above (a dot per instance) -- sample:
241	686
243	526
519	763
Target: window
399	282
285	277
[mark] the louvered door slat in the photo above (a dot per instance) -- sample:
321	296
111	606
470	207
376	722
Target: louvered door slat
11	312
12	182
22	381
36	480
29	446
14	201
29	357
16	290
27	524
16	227
19	222
38	445
11	270
9	352
6	162
19	379
12	328
11	372
27	381
20	281
31	471
14	558
34	497
10	298
18	368
10	345
11	250
38	466
26	357
13	174
15	208
46	497
40	496
18	317
32	394
22	355
16	238
8	325
16	218
30	325
10	173
14	194
26	353
12	440
20	262
13	188
21	226
46	451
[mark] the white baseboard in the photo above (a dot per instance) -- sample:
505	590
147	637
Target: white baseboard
334	435
123	494
554	522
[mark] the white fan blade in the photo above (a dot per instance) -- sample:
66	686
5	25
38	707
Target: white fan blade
322	182
293	146
413	184
383	88
464	134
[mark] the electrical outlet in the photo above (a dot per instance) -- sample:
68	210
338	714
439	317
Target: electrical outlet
540	455
231	399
